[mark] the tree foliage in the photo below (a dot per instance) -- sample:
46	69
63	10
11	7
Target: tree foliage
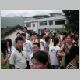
72	17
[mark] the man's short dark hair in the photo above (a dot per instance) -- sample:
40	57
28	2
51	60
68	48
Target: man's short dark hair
19	38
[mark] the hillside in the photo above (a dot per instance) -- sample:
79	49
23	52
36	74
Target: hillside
12	21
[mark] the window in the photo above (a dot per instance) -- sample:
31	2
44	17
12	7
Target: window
33	25
28	24
43	23
59	22
50	22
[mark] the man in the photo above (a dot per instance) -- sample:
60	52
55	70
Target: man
26	32
36	47
19	57
54	52
27	46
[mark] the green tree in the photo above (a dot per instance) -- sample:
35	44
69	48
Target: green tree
72	17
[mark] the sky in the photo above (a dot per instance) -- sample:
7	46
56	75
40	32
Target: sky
26	13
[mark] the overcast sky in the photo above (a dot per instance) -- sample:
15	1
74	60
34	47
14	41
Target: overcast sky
26	13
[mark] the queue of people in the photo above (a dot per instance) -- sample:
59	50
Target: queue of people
33	51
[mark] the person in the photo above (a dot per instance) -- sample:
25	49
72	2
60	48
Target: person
47	45
68	43
26	32
19	57
40	60
67	46
61	56
44	43
27	46
9	45
17	34
74	58
24	29
34	36
4	55
10	48
46	31
36	47
53	52
13	40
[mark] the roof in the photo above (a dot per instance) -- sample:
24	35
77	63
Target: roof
44	19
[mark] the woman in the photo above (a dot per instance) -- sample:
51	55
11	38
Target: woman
4	55
10	49
74	58
67	46
9	46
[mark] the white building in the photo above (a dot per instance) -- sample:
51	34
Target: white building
54	21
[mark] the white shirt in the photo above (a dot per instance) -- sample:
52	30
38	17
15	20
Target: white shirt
30	59
42	42
53	51
19	60
29	46
13	50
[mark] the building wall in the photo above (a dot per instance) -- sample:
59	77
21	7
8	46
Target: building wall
38	26
35	28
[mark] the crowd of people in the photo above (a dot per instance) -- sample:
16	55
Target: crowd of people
45	51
